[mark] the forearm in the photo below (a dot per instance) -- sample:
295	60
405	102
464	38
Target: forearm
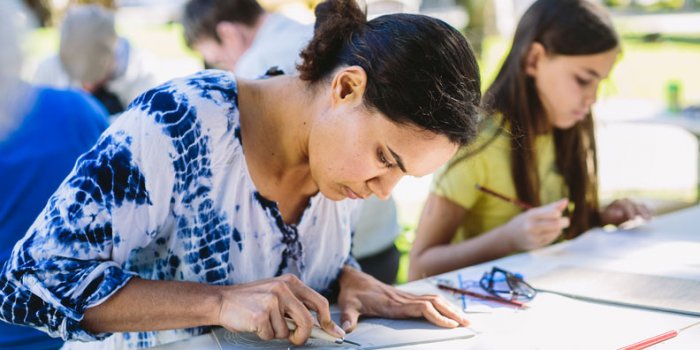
448	257
145	305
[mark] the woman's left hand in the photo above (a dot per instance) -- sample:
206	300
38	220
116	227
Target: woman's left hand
362	294
622	210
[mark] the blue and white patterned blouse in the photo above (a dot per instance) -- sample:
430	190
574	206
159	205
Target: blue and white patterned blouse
165	194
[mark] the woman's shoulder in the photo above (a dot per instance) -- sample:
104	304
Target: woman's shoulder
194	113
208	99
212	86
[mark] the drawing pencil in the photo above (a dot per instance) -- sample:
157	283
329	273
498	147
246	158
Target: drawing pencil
517	202
318	333
482	296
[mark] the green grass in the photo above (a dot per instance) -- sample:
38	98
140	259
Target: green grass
646	68
403	244
642	72
164	43
161	40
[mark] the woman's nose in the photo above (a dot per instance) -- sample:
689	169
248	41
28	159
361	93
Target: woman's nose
382	185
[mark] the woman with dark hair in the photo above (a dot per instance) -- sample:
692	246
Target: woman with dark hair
220	201
536	145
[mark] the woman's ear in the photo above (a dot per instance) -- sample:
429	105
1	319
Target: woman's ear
348	85
534	57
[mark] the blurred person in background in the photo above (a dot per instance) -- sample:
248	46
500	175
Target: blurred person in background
93	57
241	37
42	133
536	145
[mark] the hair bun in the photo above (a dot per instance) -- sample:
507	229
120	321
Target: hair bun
345	16
336	21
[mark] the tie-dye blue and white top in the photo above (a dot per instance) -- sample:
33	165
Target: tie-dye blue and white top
165	194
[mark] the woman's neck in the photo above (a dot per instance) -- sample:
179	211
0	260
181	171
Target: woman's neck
276	115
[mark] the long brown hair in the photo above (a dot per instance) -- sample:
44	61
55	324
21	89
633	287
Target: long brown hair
564	27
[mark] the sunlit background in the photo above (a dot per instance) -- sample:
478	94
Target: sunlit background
648	111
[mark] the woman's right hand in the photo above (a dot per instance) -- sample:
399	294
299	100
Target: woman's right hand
260	307
537	227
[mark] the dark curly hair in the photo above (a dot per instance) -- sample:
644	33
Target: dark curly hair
420	71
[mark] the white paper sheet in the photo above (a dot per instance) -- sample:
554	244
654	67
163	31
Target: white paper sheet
644	291
370	334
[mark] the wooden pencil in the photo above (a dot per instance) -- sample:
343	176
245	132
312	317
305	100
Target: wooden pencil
519	203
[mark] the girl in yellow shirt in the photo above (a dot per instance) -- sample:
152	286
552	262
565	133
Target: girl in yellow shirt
537	145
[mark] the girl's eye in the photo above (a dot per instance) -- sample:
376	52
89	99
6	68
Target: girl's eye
383	160
582	82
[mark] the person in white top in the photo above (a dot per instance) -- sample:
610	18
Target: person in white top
241	37
93	57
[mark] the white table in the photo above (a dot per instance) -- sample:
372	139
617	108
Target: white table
667	246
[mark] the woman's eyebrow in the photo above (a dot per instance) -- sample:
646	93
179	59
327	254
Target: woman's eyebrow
398	160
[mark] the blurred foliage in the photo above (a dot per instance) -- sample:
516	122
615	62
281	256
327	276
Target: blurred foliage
476	27
105	3
273	5
403	244
41	10
653	5
48	14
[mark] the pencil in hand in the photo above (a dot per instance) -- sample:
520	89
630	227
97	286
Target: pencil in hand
519	203
318	333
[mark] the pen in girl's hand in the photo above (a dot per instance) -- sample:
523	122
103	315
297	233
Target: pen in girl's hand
519	203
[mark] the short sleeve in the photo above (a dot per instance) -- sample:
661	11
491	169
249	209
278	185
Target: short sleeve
457	180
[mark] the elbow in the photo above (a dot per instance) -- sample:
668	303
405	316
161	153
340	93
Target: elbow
91	322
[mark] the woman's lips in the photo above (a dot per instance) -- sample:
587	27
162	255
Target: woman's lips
350	194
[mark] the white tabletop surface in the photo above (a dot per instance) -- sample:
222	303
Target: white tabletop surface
667	246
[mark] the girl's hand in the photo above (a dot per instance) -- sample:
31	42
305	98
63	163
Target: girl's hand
361	294
622	210
260	307
537	227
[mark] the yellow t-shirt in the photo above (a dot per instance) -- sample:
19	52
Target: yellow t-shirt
491	167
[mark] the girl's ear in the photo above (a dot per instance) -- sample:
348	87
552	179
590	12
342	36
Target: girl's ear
534	56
